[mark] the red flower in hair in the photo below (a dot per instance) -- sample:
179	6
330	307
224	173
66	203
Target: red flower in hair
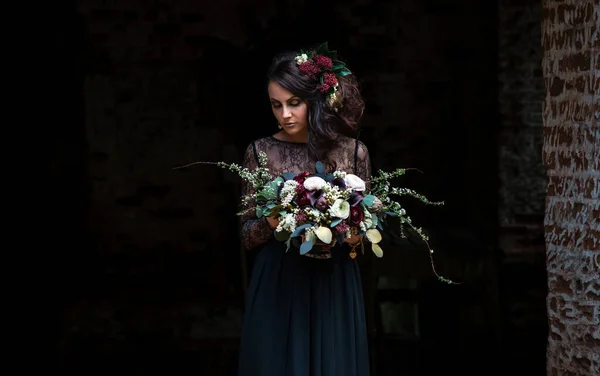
330	79
323	88
323	62
309	68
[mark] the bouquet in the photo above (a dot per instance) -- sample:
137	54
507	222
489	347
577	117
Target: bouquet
318	210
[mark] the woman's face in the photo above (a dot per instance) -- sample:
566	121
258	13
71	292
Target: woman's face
290	111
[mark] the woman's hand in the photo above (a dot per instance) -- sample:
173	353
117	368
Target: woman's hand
353	239
273	222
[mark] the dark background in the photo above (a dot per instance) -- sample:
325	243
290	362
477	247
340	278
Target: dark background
151	274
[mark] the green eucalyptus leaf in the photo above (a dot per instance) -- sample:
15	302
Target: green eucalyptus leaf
336	222
320	167
288	175
306	247
299	229
368	200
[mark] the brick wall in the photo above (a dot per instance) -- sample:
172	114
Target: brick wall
571	154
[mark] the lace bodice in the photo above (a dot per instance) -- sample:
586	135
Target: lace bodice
349	154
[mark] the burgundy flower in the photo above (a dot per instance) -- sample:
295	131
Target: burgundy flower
301	192
339	182
300	189
323	88
303	199
314	196
321	204
356	216
330	79
342	227
301	218
301	177
309	68
355	198
323	62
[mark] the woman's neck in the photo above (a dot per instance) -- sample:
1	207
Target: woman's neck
300	138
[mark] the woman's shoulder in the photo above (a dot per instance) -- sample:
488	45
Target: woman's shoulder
355	143
261	141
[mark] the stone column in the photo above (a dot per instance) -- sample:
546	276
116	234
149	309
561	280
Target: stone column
571	155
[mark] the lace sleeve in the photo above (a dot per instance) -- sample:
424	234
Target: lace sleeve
363	163
253	231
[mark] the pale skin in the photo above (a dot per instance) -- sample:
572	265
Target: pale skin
291	113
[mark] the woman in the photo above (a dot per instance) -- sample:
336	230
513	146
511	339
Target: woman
305	313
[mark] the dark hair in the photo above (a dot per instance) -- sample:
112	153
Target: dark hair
324	124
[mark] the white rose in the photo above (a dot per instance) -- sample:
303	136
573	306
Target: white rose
314	183
340	209
354	182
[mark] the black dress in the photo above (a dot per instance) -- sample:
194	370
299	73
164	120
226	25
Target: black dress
304	314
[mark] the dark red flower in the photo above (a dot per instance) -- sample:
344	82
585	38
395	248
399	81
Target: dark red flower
330	79
301	177
323	88
342	227
301	218
321	204
309	68
356	216
303	199
355	198
300	190
323	62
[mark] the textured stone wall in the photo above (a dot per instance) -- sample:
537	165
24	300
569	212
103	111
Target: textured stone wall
571	154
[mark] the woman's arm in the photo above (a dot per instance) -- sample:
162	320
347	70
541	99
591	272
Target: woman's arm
254	231
363	171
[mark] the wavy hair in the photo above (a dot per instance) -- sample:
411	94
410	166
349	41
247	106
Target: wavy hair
324	124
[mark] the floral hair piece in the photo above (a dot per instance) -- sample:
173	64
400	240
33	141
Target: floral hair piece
322	65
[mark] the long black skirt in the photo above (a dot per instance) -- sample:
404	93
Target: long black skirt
304	316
